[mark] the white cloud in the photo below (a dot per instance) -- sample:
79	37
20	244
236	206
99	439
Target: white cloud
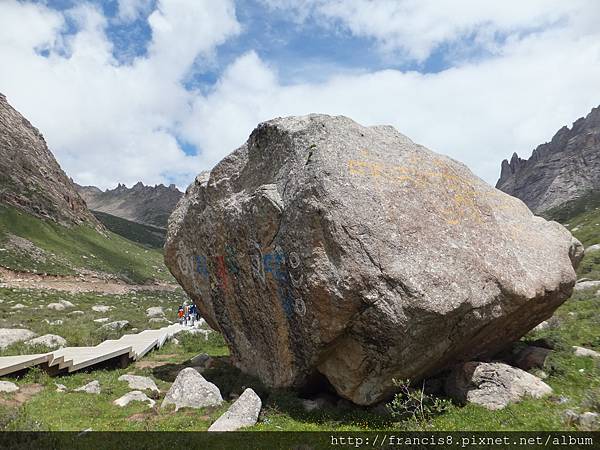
110	123
104	121
478	113
129	10
417	27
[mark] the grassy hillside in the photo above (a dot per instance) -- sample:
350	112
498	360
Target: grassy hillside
582	218
147	235
572	210
34	245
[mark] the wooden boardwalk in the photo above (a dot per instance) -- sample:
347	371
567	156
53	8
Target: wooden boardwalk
131	346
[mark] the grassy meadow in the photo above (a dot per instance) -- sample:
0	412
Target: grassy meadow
30	244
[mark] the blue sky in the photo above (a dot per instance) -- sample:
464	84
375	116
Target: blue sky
295	49
158	90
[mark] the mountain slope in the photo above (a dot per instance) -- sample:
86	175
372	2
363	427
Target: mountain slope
143	204
559	171
31	179
46	227
31	244
147	235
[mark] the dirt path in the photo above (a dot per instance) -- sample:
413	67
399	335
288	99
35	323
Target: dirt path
74	284
22	395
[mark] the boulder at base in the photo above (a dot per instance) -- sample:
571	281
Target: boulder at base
243	413
322	246
493	385
190	389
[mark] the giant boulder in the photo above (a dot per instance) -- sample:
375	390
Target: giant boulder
324	247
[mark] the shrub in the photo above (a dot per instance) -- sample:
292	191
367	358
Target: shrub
415	405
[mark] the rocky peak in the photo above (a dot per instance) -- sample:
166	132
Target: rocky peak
31	178
149	205
558	171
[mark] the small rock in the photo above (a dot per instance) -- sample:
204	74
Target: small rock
190	389
175	341
66	303
589	421
493	385
311	405
18	306
116	325
60	387
582	285
102	320
9	336
101	308
570	417
542	326
560	400
56	306
585	352
201	360
49	340
531	357
93	387
158	320
139	383
8	386
155	311
243	413
76	313
592	248
544	343
134	396
552	322
53	322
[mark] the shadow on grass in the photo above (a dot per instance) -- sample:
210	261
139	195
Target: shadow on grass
232	382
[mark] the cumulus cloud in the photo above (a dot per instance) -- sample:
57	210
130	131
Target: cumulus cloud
108	122
111	122
129	10
417	27
478	113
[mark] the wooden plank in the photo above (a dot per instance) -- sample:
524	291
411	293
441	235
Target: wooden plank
10	364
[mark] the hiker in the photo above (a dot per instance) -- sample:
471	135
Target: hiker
186	314
180	314
193	313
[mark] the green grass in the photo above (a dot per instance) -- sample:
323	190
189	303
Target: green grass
146	235
582	218
569	376
573	379
66	251
78	411
80	330
570	210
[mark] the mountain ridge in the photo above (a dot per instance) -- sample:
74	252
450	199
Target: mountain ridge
561	170
148	205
